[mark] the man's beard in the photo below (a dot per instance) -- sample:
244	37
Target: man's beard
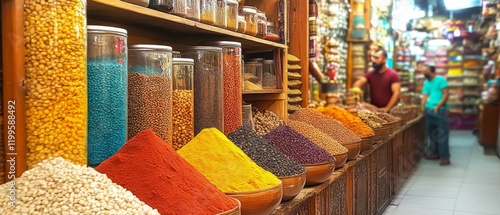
377	67
428	77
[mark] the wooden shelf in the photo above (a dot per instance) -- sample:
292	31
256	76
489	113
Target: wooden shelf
264	91
192	31
472	67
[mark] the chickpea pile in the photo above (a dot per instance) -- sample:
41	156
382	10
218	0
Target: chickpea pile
56	80
182	117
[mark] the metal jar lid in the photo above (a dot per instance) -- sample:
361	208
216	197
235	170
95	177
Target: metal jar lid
182	61
149	47
105	29
224	44
204	48
249	9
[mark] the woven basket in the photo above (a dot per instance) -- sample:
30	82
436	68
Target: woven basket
367	142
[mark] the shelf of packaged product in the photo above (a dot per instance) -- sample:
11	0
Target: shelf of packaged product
127	13
455	85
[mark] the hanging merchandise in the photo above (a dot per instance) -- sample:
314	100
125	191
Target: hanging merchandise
182	102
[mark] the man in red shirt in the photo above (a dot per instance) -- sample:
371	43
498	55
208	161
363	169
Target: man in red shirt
385	84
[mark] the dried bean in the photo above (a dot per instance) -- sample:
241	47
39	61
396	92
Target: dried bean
265	121
232	93
182	117
318	137
297	147
264	154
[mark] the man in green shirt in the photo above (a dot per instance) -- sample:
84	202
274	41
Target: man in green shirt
435	92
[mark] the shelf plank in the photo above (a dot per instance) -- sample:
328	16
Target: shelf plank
127	13
264	91
472	67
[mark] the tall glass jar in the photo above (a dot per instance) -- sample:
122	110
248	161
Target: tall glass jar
208	89
221	14
242	24
107	91
253	76
208	8
182	102
193	10
232	15
261	24
179	8
250	14
247	116
272	33
269	80
231	58
150	90
55	80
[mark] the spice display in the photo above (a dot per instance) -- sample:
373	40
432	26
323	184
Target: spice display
193	10
369	107
182	102
388	117
294	76
294	83
265	121
208	87
330	126
250	14
294	92
253	72
269	75
292	58
264	154
294	67
226	165
57	186
318	137
232	15
272	33
179	8
297	147
220	14
350	121
261	24
293	108
371	119
251	86
208	10
55	80
242	24
148	167
295	99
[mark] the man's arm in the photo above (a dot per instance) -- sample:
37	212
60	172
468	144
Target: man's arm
396	90
360	82
443	101
424	101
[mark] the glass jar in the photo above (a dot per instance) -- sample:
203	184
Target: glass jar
272	34
261	24
208	89
232	15
221	14
150	90
231	58
182	102
179	8
242	24
208	11
55	81
162	5
143	3
253	76
176	54
269	80
247	116
107	91
193	10
250	14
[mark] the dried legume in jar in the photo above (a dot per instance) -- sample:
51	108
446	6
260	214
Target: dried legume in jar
56	80
182	117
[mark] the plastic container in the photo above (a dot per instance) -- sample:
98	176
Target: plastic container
221	14
193	10
208	89
150	90
143	3
55	81
242	24
208	11
107	91
231	58
179	8
162	5
269	80
261	24
232	15
247	116
250	14
253	74
272	33
182	102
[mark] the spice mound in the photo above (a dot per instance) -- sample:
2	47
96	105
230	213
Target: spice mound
318	137
329	126
265	120
157	175
297	147
350	121
226	165
57	186
264	154
371	119
388	117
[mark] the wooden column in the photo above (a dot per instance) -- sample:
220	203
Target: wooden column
299	41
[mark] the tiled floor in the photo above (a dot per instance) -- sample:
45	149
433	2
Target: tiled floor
469	186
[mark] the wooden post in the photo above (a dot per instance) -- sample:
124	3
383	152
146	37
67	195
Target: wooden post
299	41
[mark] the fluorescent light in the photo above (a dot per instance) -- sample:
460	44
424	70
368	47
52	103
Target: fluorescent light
462	4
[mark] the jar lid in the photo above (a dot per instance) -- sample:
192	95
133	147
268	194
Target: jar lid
224	43
268	61
241	19
248	9
204	48
256	59
105	29
253	63
182	60
232	1
262	13
149	47
269	23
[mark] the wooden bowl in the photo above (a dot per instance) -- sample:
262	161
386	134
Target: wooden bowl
234	211
367	143
259	201
318	173
354	150
341	159
292	185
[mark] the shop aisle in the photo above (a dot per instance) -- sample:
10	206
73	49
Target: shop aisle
469	186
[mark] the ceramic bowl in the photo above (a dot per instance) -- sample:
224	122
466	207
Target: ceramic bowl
292	185
354	150
340	160
234	211
259	201
318	173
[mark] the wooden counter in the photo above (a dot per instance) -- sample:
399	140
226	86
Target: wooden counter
365	185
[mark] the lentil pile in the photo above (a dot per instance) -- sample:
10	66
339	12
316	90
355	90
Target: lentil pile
56	80
57	186
224	164
350	121
265	121
182	118
107	123
371	119
318	137
297	147
149	105
264	154
327	125
232	93
157	175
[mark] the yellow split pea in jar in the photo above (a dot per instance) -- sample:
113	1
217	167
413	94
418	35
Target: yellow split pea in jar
56	80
